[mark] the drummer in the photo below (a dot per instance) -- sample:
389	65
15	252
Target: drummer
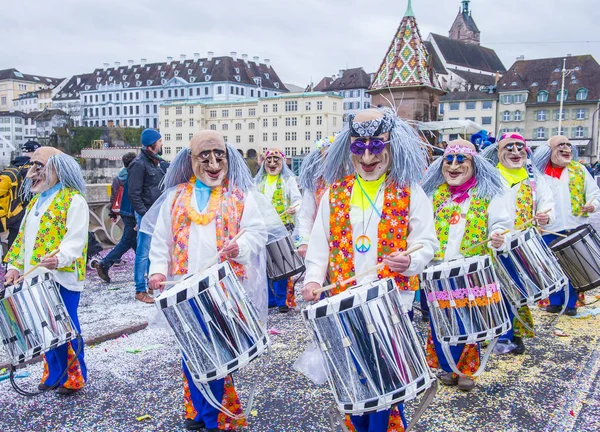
277	182
576	195
57	218
368	218
530	200
469	207
313	187
198	216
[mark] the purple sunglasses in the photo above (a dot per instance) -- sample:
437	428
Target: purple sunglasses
375	146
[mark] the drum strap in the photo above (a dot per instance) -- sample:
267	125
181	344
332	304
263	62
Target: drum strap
210	398
484	359
334	415
425	402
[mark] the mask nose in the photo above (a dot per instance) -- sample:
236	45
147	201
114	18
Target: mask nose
368	157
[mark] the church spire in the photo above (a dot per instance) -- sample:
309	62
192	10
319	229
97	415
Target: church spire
409	10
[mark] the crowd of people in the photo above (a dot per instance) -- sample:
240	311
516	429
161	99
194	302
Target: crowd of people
365	196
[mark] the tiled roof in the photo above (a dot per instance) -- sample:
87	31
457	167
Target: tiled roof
355	78
468	55
27	95
217	69
73	87
323	84
467	96
12	114
438	65
475	78
15	74
407	60
546	75
49	113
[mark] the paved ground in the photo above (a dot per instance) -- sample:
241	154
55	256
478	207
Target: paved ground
553	387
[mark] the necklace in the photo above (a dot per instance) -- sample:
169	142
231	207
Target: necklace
213	205
363	242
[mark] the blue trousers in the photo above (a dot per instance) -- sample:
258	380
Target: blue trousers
57	358
455	350
142	262
205	411
558	298
128	241
277	292
512	271
376	422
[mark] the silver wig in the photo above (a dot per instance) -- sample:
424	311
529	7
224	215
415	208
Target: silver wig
541	156
310	171
491	154
180	171
409	158
68	173
489	181
286	173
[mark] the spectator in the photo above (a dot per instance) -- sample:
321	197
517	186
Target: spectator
145	174
252	162
12	208
128	240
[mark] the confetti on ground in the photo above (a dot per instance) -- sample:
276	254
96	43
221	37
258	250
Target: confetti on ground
254	413
560	333
144	417
274	331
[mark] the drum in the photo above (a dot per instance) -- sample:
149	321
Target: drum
283	261
465	304
215	323
579	257
373	358
34	319
529	272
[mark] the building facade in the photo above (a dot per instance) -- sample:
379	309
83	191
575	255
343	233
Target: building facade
352	85
479	107
530	96
47	121
13	83
12	135
291	122
130	96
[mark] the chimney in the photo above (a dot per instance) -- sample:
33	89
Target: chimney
234	55
245	58
169	60
106	66
268	62
117	64
568	55
210	55
196	57
129	63
256	59
521	58
143	62
341	74
333	77
497	78
182	57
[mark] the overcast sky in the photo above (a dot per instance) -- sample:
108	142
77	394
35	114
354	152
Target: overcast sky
305	39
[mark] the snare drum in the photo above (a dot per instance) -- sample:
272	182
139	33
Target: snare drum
529	272
579	257
465	304
34	319
215	323
372	356
283	261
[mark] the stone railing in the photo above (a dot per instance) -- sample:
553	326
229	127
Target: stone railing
107	232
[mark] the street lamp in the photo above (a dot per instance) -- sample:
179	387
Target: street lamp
565	72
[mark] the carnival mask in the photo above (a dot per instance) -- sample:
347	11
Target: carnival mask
209	158
370	154
274	162
512	153
41	176
562	151
457	165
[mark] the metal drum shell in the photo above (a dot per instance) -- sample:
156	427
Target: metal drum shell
283	260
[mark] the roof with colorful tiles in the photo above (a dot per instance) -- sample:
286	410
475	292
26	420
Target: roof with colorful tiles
407	62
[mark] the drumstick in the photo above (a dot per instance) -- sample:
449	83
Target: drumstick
289	208
35	267
552	232
485	241
209	262
586	204
377	267
524	224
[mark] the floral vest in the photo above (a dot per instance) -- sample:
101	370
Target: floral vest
53	227
392	233
577	187
280	201
447	214
227	215
525	205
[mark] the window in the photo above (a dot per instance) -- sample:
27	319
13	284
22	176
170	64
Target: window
250	138
288	150
486	120
213	114
579	132
319	135
167	136
274	108
191	109
213	127
580	114
307	121
470	118
238	139
166	111
507	99
471	105
307	136
191	122
542	96
291	106
319	106
541	133
265	108
366	105
518	116
178	110
178	149
319	120
288	136
265	136
238	112
178	137
335	121
190	136
561	95
307	106
274	136
137	109
167	123
266	123
167	150
454	106
251	126
506	116
224	126
581	94
557	113
225	113
219	90
225	138
541	115
205	91
441	107
252	112
238	126
518	98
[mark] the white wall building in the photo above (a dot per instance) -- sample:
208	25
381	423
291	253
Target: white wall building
12	136
352	85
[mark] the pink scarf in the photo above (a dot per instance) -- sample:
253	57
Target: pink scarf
461	193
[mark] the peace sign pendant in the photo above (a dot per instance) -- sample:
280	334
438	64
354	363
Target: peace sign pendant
363	244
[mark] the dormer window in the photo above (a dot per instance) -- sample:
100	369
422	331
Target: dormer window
207	78
276	85
190	71
98	79
137	76
204	70
124	77
126	84
159	67
147	68
217	61
557	70
237	78
192	79
187	65
162	74
163	81
237	70
513	84
110	78
542	96
554	83
97	86
87	87
257	81
98	73
176	73
138	83
267	76
535	84
582	94
577	68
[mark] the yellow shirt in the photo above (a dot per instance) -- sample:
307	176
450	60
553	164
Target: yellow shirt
513	176
359	199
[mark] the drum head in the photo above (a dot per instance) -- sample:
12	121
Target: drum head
574	236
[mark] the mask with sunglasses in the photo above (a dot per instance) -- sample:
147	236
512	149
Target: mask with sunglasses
375	146
373	164
512	155
457	168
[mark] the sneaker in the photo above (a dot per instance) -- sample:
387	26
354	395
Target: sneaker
520	346
449	379
465	384
43	387
284	309
425	317
103	272
553	309
144	297
571	312
190	424
66	391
